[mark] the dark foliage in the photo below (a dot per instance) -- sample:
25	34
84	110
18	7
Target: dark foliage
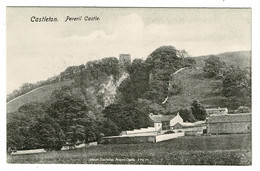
136	84
236	86
48	134
213	67
126	117
186	115
198	110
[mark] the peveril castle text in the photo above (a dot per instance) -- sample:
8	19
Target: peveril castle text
65	19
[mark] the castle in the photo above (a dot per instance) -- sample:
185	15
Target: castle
124	59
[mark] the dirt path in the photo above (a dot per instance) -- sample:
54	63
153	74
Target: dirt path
169	83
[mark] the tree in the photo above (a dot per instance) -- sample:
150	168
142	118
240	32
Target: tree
162	63
175	87
110	66
126	117
159	85
76	134
16	134
236	86
182	53
134	87
147	107
198	110
186	115
19	126
164	57
48	133
213	66
26	87
188	62
68	112
109	128
73	115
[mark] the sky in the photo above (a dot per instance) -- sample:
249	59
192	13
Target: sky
39	50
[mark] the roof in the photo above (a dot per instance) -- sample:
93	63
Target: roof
217	110
240	117
161	118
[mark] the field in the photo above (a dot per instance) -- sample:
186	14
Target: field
199	150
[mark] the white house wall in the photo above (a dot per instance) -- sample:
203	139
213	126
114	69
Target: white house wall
175	120
157	126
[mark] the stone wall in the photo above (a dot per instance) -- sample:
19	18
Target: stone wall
127	140
168	136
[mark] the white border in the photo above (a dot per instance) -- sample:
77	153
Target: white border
133	3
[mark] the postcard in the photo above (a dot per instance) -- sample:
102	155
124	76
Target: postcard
128	86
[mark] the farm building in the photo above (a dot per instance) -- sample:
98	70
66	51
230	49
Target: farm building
216	111
229	123
165	127
166	122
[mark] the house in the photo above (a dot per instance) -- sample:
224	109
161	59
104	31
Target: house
229	123
166	122
216	111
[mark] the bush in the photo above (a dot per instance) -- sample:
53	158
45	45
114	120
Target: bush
198	110
186	115
242	109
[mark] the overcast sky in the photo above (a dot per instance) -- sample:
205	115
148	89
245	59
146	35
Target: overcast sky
37	51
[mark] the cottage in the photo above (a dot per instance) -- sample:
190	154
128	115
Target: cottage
166	122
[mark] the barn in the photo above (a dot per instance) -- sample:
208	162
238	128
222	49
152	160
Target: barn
229	123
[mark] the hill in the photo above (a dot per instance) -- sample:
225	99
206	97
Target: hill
196	86
239	58
106	97
41	94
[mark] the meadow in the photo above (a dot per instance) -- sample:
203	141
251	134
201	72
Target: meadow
198	150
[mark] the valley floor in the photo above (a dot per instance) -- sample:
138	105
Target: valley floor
199	150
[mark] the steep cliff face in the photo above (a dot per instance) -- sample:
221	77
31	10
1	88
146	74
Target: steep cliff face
109	89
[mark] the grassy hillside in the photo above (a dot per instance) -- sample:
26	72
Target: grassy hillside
197	86
240	58
202	150
40	94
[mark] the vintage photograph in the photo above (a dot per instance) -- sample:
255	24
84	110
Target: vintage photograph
128	86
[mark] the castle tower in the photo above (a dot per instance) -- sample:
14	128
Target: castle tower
124	59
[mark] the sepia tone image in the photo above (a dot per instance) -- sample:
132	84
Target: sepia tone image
139	86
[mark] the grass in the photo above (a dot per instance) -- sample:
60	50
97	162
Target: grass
41	94
199	150
196	86
240	58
